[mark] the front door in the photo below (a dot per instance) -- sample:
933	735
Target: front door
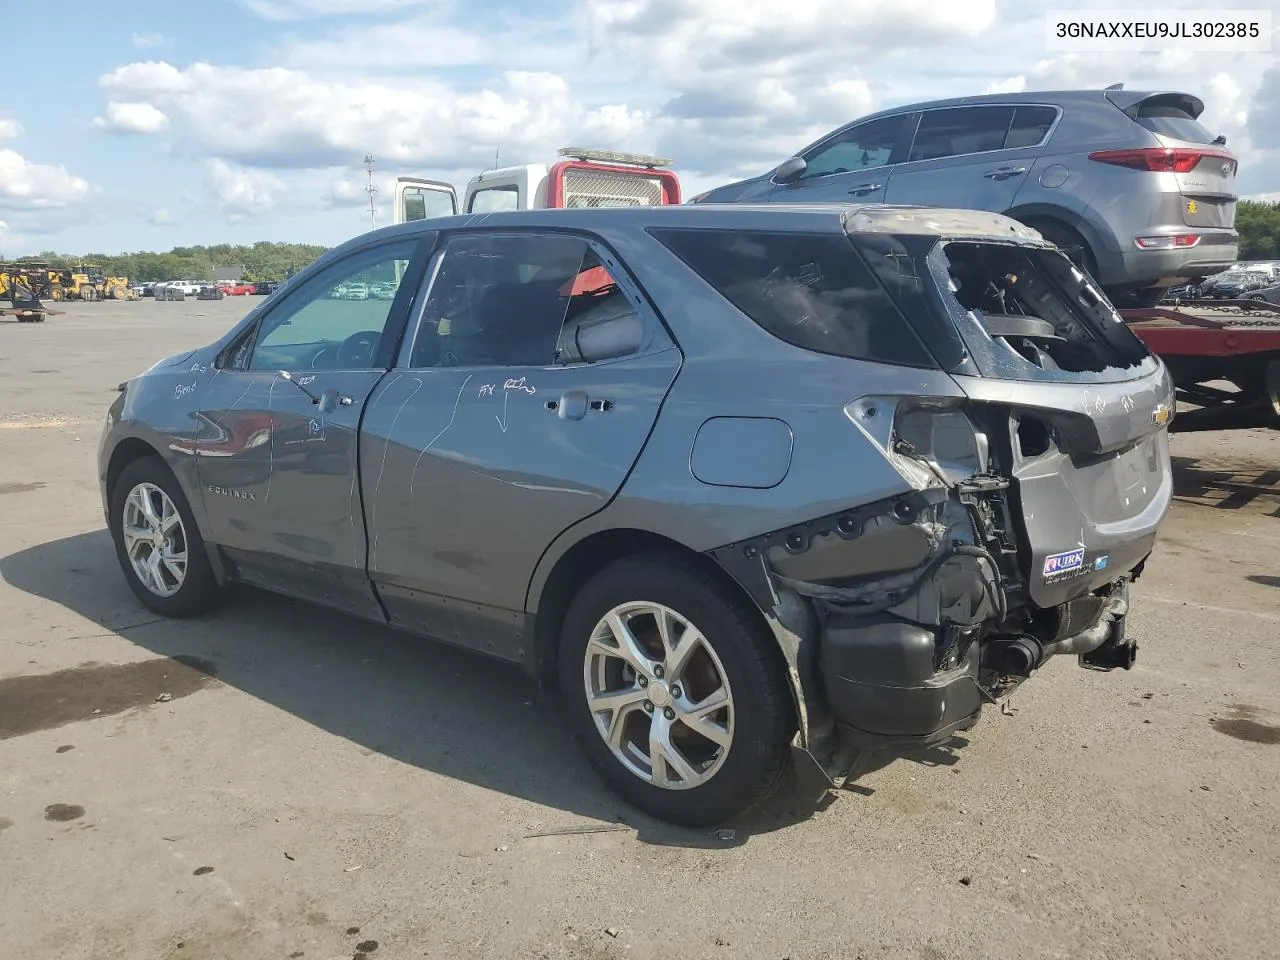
276	445
526	394
852	166
418	199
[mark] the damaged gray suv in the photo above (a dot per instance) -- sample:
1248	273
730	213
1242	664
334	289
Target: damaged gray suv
737	480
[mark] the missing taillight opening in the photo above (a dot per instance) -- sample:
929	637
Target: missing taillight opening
1034	437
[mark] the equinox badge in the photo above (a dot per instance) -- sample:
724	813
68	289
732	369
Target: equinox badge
1162	414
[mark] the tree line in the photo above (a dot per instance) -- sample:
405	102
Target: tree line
1259	226
1257	221
263	260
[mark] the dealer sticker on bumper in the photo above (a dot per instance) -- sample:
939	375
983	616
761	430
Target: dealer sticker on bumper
1060	566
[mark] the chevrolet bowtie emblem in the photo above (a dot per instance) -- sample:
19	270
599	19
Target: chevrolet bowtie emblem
1162	414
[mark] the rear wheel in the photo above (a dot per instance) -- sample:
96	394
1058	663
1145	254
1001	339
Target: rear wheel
158	543
55	292
1069	241
675	690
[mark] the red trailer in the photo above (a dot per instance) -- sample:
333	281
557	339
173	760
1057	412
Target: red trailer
1224	356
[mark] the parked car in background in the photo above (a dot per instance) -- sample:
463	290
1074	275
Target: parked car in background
1181	291
1242	283
1234	283
736	480
265	288
177	289
1128	183
1267	294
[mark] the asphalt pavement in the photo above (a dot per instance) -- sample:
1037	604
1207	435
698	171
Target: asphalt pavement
275	781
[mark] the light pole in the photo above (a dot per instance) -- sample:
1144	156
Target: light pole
371	190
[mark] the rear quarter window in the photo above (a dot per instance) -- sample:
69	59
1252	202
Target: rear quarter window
810	290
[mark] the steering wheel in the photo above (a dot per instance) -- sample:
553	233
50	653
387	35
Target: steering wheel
358	349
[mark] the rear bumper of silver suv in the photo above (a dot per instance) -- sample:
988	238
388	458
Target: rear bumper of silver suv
1215	251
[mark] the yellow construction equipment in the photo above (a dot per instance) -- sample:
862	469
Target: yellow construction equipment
21	285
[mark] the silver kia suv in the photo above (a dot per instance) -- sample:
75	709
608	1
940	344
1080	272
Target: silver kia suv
1129	184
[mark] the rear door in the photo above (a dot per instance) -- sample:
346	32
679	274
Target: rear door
851	166
526	392
417	199
974	157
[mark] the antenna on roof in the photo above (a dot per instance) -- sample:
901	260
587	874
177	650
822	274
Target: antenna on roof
1116	86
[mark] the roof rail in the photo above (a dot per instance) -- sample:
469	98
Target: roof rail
613	156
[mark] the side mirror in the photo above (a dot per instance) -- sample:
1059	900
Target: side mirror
790	170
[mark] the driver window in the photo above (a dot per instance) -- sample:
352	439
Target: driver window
863	147
335	321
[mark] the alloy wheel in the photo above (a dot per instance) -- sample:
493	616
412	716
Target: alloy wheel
155	539
659	695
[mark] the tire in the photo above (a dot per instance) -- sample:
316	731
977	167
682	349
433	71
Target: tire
198	590
56	293
1072	243
88	293
739	656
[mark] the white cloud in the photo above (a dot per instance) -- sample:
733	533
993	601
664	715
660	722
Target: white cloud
350	193
726	87
243	193
309	9
161	218
10	129
33	186
420	44
141	41
132	117
750	85
290	119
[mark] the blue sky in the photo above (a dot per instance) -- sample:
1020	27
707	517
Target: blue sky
212	121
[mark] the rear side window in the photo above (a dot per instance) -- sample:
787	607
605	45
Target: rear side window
812	291
1169	119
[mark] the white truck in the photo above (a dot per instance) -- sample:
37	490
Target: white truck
584	178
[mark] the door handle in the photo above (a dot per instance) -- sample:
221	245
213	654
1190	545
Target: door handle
575	404
330	400
866	188
1005	173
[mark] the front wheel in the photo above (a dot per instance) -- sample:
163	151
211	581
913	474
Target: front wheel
158	543
675	690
